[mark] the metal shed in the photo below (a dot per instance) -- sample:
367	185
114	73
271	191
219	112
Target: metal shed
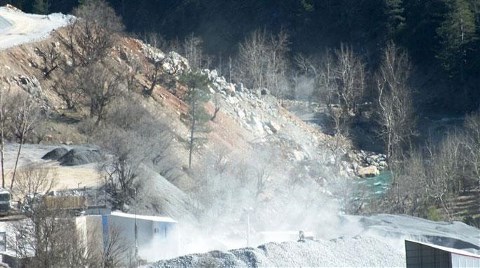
424	255
151	237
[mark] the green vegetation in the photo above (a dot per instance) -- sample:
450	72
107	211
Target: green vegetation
197	95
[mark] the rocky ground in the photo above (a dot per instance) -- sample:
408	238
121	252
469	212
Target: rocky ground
357	241
350	252
298	177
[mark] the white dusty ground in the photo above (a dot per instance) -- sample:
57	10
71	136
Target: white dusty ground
358	241
17	28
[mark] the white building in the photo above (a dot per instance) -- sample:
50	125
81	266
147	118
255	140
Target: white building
152	237
421	255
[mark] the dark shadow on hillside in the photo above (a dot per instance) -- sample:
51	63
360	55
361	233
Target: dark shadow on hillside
65	118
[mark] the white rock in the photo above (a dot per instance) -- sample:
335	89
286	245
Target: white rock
369	171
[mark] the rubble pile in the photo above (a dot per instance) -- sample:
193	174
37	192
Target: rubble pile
342	252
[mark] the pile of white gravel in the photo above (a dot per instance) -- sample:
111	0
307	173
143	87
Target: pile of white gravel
360	251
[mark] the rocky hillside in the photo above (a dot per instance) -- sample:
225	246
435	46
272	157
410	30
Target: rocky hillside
257	156
258	165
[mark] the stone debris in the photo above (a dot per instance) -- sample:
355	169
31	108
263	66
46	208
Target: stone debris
360	251
80	156
370	171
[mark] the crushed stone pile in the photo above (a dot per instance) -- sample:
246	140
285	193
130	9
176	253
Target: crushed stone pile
358	251
55	154
80	156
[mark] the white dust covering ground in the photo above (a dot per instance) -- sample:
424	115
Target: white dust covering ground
17	28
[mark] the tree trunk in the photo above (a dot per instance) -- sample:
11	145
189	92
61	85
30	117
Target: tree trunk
192	131
2	162
16	164
215	114
2	141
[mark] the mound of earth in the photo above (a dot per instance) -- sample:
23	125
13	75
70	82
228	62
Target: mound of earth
76	157
349	252
55	154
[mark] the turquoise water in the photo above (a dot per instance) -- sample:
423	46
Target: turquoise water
374	187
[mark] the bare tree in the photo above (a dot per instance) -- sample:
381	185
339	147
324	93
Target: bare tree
339	81
262	61
67	88
52	237
277	64
472	145
50	57
100	86
123	168
115	250
308	79
192	48
134	138
350	76
4	112
216	102
49	237
48	233
444	170
156	73
395	106
32	181
410	183
251	60
93	32
25	112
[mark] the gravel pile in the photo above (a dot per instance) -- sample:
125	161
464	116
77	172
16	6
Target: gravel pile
55	154
76	157
360	251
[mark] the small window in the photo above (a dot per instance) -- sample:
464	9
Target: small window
155	230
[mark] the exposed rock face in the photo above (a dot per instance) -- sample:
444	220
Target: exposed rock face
370	171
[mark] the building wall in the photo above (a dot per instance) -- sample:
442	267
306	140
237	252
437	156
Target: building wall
156	240
423	256
464	261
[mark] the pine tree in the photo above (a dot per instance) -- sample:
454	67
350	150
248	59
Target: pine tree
457	34
41	7
197	94
395	17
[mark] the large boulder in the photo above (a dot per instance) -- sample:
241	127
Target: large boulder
76	157
370	171
55	154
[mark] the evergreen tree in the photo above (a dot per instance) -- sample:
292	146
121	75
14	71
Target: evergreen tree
41	7
457	34
395	18
197	95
